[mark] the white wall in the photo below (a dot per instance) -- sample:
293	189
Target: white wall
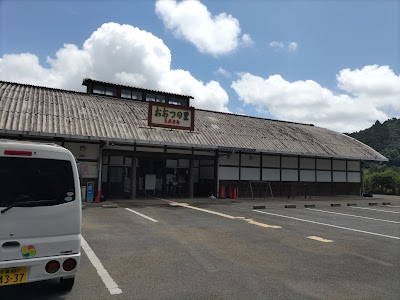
289	162
353	176
250	174
339	176
91	151
323	176
229	159
353	165
307	163
290	175
339	165
228	173
271	161
271	175
250	160
323	164
307	175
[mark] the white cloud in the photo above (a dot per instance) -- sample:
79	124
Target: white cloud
374	95
114	53
278	45
377	84
247	40
223	72
190	20
292	46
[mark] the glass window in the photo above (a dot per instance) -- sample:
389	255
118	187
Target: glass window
98	89
136	95
183	102
160	98
126	94
27	179
110	91
150	97
173	100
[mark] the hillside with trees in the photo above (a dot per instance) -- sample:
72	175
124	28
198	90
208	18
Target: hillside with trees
384	137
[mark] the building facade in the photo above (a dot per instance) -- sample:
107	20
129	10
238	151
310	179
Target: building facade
134	142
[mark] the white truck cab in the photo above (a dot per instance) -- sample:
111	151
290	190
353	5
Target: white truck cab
40	214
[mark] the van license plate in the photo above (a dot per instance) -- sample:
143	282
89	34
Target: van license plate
10	276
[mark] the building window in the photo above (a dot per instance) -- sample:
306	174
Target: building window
136	95
103	90
126	94
173	100
150	97
98	89
160	98
110	91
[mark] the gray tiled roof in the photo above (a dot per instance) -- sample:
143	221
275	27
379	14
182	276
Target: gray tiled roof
32	110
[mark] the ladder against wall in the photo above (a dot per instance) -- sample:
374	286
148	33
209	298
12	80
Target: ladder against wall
263	186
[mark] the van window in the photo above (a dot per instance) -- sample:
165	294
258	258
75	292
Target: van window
32	179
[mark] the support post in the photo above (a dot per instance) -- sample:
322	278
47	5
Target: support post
191	177
133	178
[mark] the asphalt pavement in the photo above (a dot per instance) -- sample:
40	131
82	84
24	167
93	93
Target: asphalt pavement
223	249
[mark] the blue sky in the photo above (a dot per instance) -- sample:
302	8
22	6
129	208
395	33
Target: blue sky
341	71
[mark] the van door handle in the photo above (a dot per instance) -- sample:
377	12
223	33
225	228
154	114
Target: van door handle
11	244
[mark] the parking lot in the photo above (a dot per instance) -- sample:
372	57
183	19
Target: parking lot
222	249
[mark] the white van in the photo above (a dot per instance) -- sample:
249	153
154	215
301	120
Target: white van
40	213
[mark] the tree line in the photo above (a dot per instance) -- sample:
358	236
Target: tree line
382	178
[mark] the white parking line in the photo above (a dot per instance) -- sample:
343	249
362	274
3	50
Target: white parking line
330	225
388	211
336	213
108	281
142	215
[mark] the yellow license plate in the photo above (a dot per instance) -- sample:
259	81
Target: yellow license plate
10	276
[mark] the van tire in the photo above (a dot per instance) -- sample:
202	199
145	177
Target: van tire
66	284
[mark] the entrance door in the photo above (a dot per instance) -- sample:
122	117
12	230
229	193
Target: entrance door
117	175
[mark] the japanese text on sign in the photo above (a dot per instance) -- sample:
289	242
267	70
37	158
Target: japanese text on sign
171	116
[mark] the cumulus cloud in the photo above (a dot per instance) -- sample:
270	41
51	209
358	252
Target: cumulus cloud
190	20
247	40
292	46
114	53
278	45
223	72
372	94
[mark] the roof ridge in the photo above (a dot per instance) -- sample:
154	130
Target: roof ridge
42	87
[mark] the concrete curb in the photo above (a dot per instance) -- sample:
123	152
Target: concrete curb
258	206
110	205
290	206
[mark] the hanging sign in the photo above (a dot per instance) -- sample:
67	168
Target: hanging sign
171	116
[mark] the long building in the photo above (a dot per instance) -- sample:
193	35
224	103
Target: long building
133	142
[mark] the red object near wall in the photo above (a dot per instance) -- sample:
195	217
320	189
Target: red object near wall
97	199
221	192
234	193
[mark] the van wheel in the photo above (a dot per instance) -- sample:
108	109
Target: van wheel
67	283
